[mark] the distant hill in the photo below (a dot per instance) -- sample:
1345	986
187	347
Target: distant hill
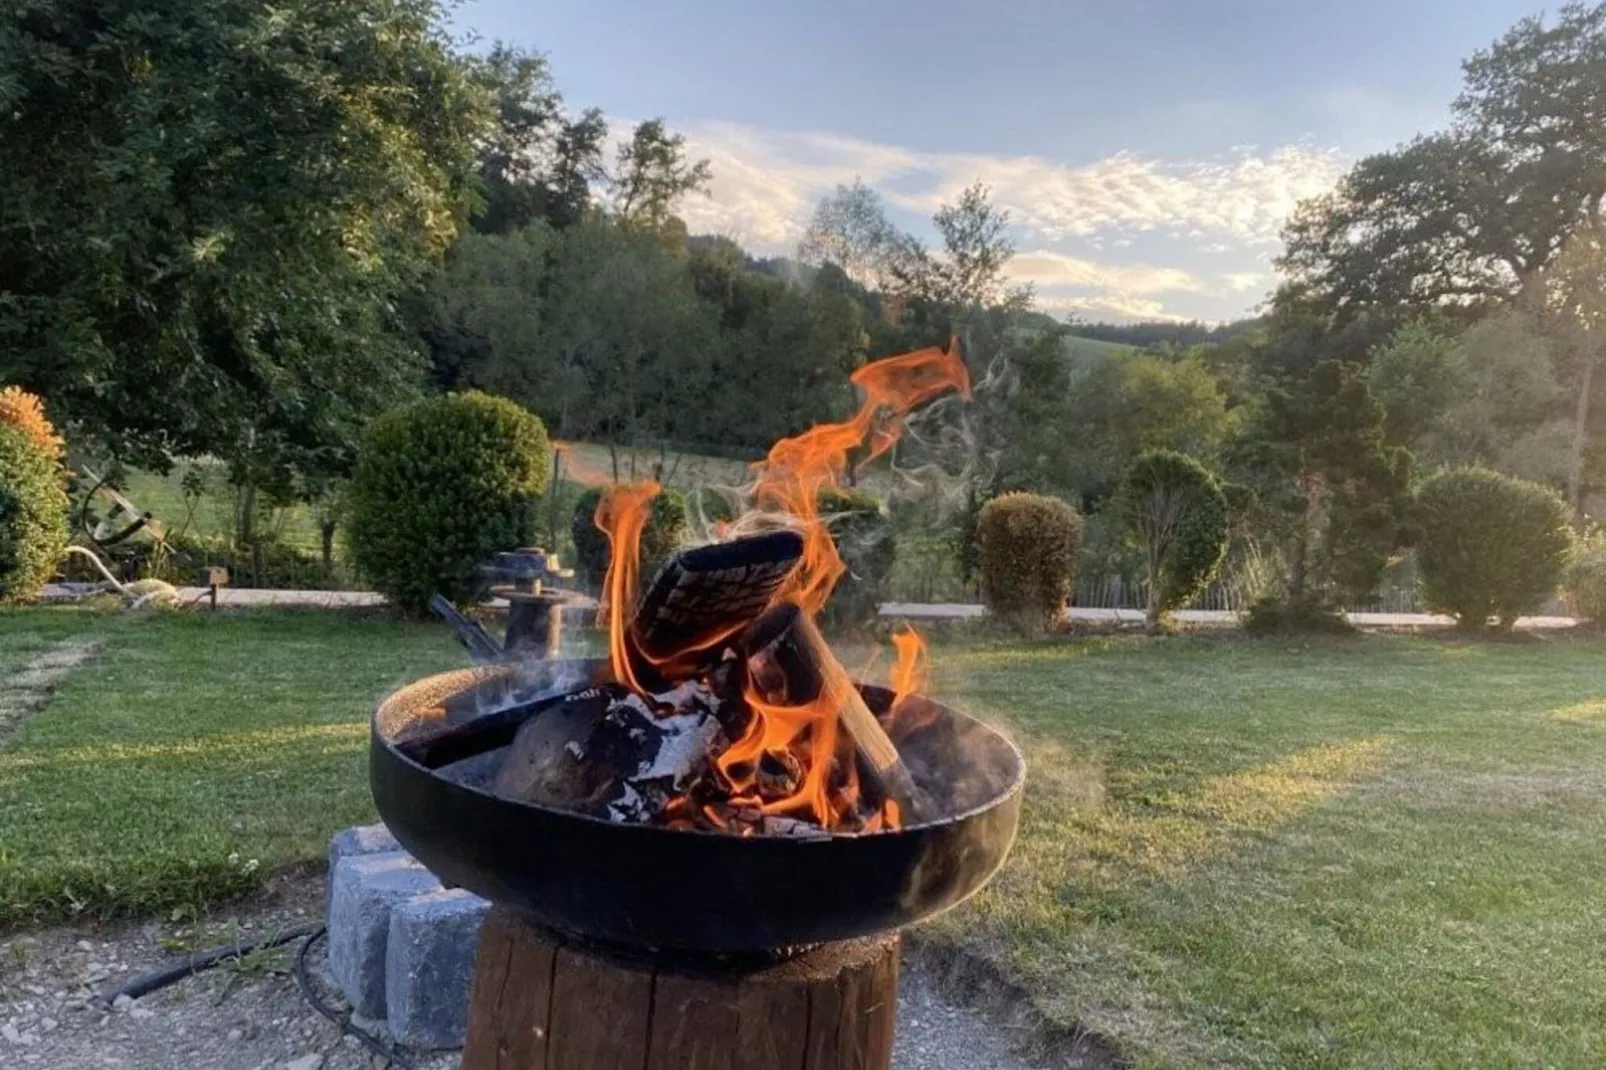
1162	332
1092	350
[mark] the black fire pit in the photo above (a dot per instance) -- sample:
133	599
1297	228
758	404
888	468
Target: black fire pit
692	891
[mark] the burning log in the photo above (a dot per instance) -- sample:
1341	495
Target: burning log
790	661
610	753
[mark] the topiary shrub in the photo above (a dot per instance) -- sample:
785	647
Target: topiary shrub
1583	583
864	538
1176	510
440	486
1028	557
667	529
1491	545
33	515
1282	616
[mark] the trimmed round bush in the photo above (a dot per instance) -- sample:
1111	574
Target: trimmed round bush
1178	512
1584	583
667	529
1491	545
864	538
1028	549
33	515
441	485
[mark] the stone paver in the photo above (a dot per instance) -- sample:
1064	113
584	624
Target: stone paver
364	890
429	967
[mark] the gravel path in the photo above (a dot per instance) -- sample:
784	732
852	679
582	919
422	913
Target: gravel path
251	1016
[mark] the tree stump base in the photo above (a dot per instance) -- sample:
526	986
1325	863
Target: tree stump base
543	1001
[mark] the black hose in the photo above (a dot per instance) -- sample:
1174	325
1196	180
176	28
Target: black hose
341	1018
312	931
190	965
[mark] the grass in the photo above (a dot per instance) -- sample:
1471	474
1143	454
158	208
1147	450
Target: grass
1376	853
1382	852
1092	350
192	757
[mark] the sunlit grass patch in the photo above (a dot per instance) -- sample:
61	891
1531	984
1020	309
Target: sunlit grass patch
199	754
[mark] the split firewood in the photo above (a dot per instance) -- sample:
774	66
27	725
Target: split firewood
789	657
702	597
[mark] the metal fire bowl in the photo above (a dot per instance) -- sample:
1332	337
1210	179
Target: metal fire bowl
696	891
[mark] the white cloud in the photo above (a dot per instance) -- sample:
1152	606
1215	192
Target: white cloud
766	183
1110	306
1049	270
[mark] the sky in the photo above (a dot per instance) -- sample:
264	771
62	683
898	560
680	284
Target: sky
1147	150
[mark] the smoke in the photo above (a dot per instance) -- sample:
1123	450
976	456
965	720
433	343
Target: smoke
947	449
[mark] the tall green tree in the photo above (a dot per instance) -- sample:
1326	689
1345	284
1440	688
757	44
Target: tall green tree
1333	491
654	172
850	229
1124	406
536	162
210	209
1488	395
609	342
1469	214
1571	292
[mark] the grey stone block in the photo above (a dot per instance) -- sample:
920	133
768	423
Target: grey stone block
365	888
429	967
360	840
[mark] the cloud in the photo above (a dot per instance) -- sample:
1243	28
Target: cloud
1110	306
767	182
1049	270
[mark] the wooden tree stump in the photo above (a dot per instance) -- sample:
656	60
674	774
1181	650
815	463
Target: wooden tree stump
542	1002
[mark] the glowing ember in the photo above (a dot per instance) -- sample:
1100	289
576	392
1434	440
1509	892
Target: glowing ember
795	759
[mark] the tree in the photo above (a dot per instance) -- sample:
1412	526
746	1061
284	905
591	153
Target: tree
1175	508
617	346
653	174
534	162
1468	215
793	346
850	229
1486	396
210	210
1572	294
1335	492
969	272
1126	405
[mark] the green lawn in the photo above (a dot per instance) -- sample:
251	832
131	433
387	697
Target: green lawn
1385	852
1381	853
193	755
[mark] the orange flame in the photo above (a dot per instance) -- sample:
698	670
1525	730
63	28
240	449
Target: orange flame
622	514
797	469
910	673
790	481
807	736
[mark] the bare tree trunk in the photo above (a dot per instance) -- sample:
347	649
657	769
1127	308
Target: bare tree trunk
552	502
326	538
1575	474
245	513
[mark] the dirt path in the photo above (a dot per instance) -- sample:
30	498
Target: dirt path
26	690
251	1016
